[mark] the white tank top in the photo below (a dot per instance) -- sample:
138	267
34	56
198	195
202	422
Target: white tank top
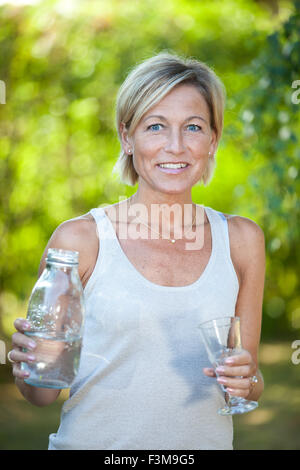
140	383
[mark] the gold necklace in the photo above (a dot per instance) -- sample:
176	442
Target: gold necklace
172	240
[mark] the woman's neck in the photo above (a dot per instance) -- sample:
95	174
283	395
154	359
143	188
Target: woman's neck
164	210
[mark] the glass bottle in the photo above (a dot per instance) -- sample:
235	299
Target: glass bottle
56	314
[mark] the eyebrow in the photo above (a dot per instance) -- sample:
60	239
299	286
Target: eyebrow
162	118
196	117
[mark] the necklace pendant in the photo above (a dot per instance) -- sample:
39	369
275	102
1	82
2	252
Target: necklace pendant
172	240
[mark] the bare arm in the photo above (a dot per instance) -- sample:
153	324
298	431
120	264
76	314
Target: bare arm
248	255
250	299
77	235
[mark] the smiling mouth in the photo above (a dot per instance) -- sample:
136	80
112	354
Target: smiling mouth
174	166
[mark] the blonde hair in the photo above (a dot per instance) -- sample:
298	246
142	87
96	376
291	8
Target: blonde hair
148	83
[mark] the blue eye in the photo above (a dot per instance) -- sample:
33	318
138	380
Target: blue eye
194	127
154	127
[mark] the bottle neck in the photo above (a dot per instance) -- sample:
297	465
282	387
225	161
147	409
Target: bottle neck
62	257
62	266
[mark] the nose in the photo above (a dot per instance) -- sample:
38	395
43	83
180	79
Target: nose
175	143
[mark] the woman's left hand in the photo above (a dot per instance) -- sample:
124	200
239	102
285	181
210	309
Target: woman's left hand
235	374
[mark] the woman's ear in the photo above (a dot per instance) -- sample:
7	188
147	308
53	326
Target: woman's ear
125	139
213	143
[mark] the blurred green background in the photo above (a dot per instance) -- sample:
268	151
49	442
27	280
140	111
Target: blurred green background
61	64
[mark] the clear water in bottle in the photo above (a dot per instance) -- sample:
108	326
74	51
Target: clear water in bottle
56	315
57	361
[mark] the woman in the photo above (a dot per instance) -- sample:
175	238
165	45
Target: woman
139	384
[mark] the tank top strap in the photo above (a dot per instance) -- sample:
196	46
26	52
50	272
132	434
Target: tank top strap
219	227
105	230
108	248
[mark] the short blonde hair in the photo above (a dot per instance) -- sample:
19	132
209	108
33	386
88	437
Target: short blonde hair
148	83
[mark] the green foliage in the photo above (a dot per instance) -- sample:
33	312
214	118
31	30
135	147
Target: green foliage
62	69
272	121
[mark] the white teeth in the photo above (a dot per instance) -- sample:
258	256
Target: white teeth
173	165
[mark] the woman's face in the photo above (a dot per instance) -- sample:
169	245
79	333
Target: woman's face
174	131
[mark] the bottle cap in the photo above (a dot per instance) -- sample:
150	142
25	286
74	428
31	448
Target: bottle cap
55	255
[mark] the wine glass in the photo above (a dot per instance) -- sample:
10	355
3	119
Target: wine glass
222	338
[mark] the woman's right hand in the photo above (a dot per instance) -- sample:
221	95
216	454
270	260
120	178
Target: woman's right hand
20	341
35	395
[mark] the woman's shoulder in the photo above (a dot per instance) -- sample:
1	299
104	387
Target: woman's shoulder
244	227
247	241
76	234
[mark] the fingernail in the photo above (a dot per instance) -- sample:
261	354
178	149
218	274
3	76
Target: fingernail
221	380
220	370
229	361
31	345
31	357
26	325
